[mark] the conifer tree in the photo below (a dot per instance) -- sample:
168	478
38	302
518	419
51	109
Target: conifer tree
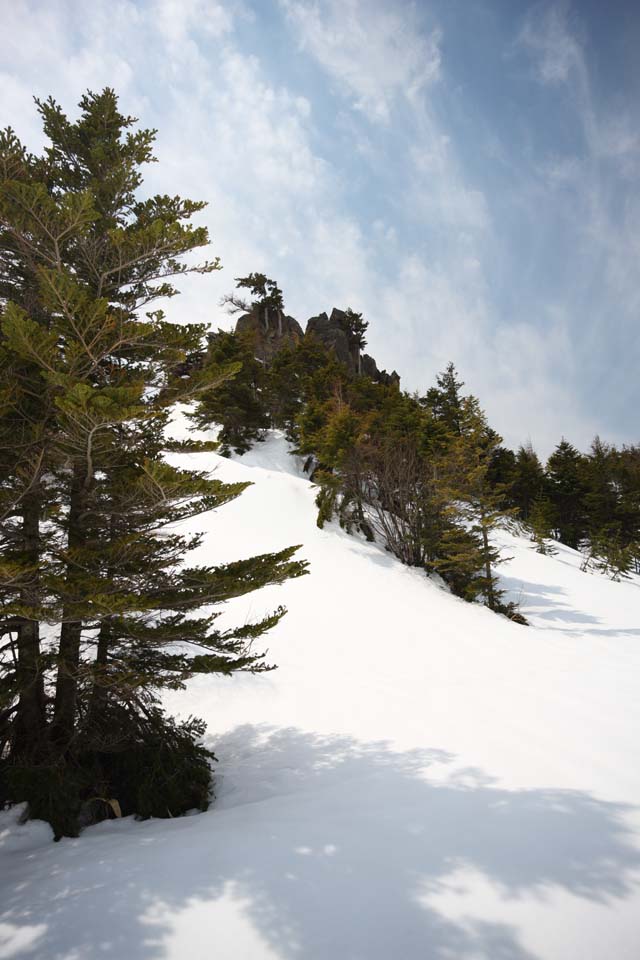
475	508
566	492
268	299
87	386
541	522
238	405
608	553
529	482
445	400
357	328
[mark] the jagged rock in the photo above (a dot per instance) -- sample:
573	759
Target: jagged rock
330	332
270	331
369	368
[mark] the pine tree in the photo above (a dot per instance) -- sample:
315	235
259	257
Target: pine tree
566	491
87	386
529	482
601	495
268	299
357	327
541	522
608	553
445	400
475	509
238	405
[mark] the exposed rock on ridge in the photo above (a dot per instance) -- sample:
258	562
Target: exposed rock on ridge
271	330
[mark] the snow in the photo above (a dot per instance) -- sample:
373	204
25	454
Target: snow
420	778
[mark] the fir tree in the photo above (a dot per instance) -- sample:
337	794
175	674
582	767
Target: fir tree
238	405
566	492
475	508
445	400
541	522
88	383
608	554
528	481
268	299
356	329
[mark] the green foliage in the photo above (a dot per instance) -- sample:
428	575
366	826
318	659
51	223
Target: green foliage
609	554
460	561
566	492
88	503
445	400
356	329
529	483
237	405
419	474
541	519
265	291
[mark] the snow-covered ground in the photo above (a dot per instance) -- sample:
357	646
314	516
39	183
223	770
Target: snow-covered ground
420	779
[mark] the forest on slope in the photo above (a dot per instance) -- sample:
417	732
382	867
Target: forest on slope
101	609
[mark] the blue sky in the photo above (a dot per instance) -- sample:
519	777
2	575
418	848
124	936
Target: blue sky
465	172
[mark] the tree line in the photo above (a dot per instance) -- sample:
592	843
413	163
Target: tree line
424	474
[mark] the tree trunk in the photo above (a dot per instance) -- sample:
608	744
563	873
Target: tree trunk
491	596
71	629
30	719
99	690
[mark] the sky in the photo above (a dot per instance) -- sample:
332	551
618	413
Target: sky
464	172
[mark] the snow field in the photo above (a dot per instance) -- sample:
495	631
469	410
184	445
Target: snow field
420	778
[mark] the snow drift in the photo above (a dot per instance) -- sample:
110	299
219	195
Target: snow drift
420	778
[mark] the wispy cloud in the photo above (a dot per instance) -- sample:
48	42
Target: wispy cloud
508	260
376	53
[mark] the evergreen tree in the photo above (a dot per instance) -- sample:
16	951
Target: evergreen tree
445	400
601	495
475	509
541	522
566	492
528	483
87	384
268	299
501	471
608	553
238	405
290	382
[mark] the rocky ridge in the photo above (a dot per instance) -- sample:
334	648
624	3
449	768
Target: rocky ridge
271	330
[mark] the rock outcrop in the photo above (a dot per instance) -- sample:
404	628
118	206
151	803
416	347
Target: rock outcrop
369	368
271	330
332	332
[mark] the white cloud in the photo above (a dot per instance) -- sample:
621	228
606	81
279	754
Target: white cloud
545	32
230	134
375	52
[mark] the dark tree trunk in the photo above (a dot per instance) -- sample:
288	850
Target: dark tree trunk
99	689
30	720
491	596
71	629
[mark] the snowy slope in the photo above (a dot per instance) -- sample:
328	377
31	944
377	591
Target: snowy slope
419	779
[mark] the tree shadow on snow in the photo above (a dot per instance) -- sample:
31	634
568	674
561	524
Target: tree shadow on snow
530	596
332	846
557	609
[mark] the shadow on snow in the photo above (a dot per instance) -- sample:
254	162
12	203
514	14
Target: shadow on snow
332	846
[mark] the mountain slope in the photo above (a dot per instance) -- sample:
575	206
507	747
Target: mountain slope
420	777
